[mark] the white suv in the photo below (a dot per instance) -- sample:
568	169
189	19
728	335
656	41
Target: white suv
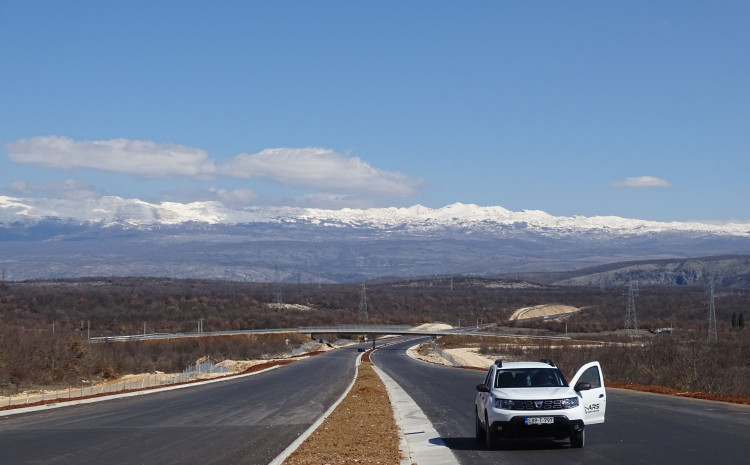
533	399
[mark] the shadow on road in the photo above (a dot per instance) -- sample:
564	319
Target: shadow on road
471	443
467	443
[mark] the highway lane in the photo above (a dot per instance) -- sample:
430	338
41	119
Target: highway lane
640	428
243	421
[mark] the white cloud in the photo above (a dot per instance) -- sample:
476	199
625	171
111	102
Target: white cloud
236	197
332	176
70	190
642	181
333	201
138	157
319	169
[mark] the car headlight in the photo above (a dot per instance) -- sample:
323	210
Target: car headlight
570	402
506	404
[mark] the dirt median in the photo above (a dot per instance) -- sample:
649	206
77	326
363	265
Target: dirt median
360	430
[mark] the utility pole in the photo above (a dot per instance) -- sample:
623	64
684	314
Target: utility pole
711	311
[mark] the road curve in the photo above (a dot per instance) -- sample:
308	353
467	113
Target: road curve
242	421
640	428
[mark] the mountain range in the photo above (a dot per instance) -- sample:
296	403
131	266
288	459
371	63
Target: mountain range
44	238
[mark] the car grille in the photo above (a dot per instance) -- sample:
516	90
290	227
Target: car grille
537	404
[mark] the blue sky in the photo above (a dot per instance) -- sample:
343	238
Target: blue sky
638	109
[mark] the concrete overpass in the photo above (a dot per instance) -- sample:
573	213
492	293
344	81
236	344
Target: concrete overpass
370	330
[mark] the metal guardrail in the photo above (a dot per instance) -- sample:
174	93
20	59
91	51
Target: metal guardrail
140	337
444	354
127	384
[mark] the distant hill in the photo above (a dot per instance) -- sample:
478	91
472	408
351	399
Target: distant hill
726	271
47	239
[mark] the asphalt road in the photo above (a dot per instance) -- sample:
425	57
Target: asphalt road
640	428
243	421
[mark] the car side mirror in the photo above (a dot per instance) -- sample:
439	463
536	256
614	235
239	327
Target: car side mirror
582	386
482	388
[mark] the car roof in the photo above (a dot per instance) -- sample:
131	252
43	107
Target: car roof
512	365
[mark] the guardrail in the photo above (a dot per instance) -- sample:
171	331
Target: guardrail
128	384
444	354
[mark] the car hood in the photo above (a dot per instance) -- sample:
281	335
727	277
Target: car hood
534	393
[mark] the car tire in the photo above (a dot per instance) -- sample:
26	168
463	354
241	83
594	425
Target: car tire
478	430
577	439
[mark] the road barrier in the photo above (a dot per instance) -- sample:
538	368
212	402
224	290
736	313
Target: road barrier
129	383
445	355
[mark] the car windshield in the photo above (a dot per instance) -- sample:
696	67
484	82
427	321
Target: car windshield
530	377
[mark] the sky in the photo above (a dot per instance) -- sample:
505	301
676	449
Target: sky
639	109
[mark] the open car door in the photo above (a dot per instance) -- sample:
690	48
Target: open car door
589	385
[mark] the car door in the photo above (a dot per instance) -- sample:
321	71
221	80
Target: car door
594	400
482	396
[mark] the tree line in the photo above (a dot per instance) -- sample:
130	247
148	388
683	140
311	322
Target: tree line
44	325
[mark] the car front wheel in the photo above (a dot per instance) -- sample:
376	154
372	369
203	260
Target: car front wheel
577	439
478	431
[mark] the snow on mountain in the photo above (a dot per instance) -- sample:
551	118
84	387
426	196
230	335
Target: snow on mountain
111	211
112	236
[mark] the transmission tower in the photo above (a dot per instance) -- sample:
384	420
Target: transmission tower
711	311
277	288
631	322
363	315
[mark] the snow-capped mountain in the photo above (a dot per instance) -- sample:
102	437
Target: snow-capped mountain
48	238
116	211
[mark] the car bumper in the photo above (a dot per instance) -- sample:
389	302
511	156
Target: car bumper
517	427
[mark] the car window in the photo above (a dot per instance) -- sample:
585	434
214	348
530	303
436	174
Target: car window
487	378
591	376
530	377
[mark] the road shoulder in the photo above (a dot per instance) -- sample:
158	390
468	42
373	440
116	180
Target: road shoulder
421	444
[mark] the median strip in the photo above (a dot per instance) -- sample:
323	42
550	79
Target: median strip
361	429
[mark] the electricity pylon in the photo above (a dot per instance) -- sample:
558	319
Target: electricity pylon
711	311
631	322
277	287
363	315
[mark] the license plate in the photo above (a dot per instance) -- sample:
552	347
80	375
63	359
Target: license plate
539	420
